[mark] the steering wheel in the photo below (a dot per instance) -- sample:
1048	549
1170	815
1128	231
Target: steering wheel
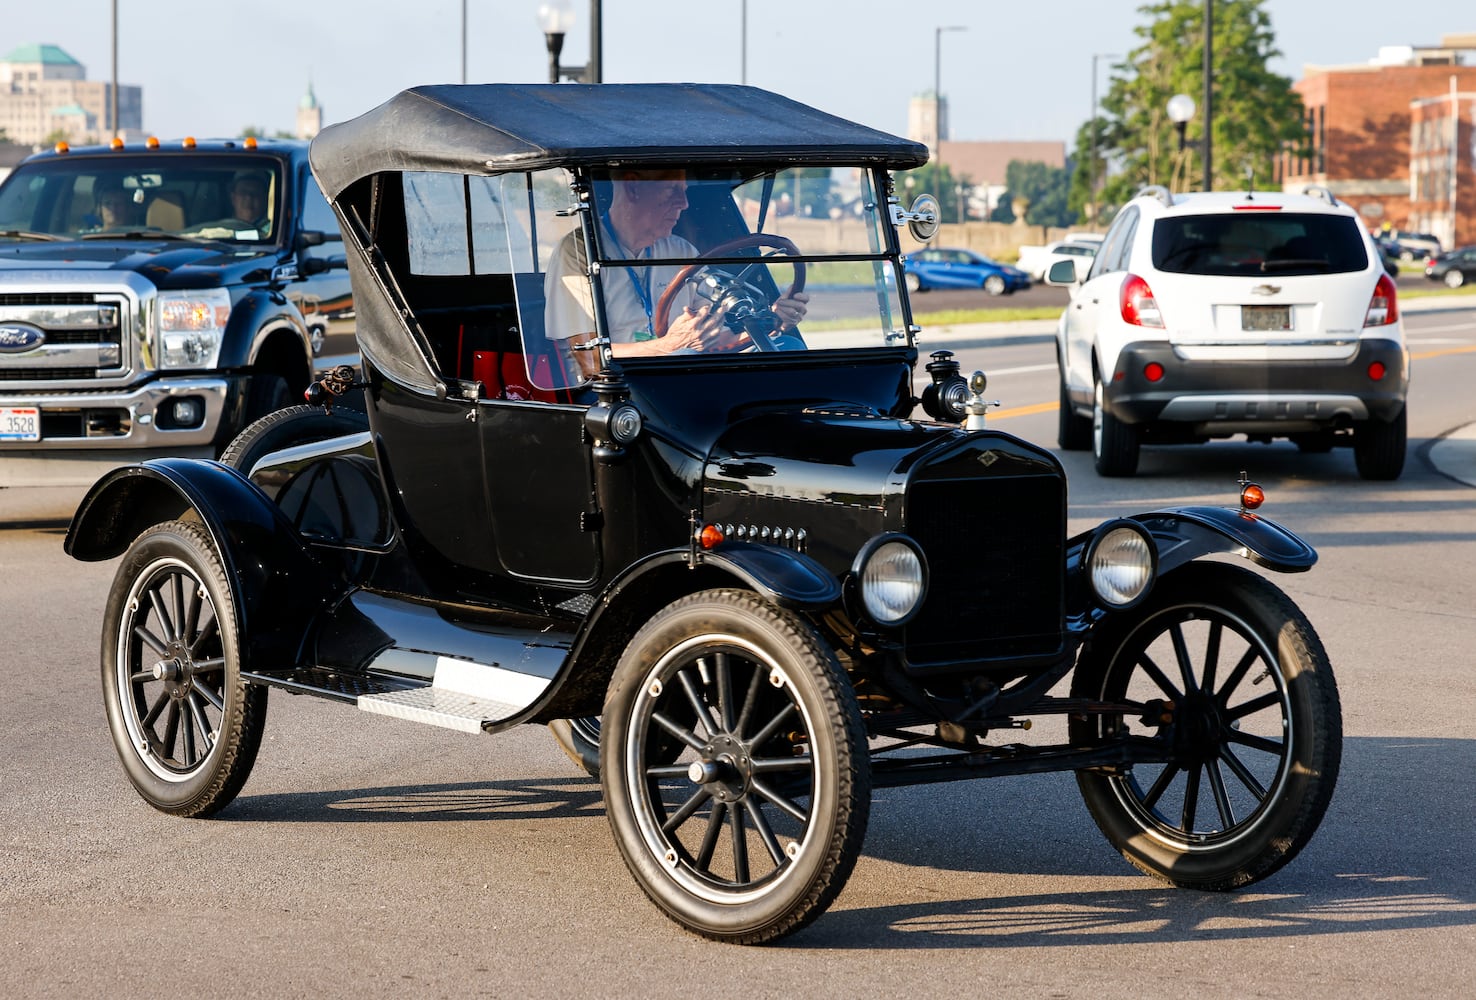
739	291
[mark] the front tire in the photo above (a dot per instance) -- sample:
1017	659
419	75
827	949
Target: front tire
1454	278
1378	448
1114	443
1073	431
1239	690
994	285
184	723
752	832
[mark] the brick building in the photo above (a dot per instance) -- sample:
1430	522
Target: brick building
1380	133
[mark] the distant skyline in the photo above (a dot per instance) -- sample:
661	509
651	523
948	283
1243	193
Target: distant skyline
1017	71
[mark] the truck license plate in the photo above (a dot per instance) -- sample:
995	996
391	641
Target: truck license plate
20	423
1265	318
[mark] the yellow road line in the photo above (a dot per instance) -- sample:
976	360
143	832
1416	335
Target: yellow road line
1435	354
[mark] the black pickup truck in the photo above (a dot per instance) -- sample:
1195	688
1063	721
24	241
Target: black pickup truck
155	298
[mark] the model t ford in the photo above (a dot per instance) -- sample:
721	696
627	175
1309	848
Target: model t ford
635	444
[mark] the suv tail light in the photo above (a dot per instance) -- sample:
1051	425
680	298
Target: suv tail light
1383	308
1138	305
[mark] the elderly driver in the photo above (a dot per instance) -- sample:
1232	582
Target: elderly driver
644	208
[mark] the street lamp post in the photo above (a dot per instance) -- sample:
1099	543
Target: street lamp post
1180	110
1092	126
938	95
555	19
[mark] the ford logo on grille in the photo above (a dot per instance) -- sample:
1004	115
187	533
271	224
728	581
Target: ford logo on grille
18	338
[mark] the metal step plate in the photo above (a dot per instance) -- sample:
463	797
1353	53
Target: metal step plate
464	695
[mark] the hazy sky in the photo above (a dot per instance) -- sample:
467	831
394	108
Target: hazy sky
1020	70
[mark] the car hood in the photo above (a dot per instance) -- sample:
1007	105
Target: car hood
166	263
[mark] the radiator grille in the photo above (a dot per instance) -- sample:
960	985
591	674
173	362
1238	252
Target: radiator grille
77	325
995	551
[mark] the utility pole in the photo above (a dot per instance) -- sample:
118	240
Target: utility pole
114	95
1209	106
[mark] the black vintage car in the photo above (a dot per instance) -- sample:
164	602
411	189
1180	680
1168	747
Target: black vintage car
639	455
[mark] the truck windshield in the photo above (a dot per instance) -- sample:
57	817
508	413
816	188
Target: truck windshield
205	196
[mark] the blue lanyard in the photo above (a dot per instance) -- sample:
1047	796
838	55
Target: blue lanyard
642	290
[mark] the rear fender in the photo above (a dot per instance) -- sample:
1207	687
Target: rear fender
277	585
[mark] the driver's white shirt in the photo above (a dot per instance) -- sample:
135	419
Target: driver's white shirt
569	306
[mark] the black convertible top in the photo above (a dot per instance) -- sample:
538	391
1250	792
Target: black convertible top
490	128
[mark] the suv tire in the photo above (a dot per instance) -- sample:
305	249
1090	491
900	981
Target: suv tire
1378	448
1114	443
1073	431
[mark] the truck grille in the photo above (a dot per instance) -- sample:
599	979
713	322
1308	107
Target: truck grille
86	337
996	565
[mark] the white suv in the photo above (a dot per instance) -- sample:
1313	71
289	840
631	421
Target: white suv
1209	315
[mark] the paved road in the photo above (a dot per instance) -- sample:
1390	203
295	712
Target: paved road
372	857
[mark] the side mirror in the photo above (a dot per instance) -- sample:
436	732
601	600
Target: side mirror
314	238
923	218
317	265
1062	272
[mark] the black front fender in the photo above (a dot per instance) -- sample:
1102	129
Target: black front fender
277	584
1186	533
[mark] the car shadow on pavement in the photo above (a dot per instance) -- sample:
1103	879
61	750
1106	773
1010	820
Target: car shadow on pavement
470	800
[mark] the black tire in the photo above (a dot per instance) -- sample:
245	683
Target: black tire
1378	448
1208	634
184	723
753	831
1114	443
580	739
994	285
1073	431
287	428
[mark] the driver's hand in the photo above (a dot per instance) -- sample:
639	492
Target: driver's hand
702	330
791	309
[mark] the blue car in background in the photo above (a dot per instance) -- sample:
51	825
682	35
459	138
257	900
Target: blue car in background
947	267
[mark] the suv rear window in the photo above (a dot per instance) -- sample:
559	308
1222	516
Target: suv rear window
1258	243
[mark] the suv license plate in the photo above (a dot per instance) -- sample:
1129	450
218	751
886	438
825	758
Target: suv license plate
1265	318
20	423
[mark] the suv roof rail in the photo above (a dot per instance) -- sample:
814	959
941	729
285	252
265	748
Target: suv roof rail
1158	191
1318	191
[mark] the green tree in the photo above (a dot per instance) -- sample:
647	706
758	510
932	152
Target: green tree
1045	188
1256	113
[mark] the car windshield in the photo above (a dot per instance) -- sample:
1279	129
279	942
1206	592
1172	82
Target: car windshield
763	237
213	197
1262	242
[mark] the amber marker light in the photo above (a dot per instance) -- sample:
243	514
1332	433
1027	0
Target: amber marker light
250	142
711	536
189	142
62	147
152	142
117	142
1252	496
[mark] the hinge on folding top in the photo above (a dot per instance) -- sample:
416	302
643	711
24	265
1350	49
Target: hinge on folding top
591	520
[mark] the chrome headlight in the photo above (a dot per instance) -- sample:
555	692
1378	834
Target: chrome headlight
891	577
192	327
1121	563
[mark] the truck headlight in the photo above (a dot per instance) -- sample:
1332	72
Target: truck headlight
192	327
1121	564
891	577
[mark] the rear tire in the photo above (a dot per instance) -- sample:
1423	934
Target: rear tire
1114	443
1378	448
184	723
913	282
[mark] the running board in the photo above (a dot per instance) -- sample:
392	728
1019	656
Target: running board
464	695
